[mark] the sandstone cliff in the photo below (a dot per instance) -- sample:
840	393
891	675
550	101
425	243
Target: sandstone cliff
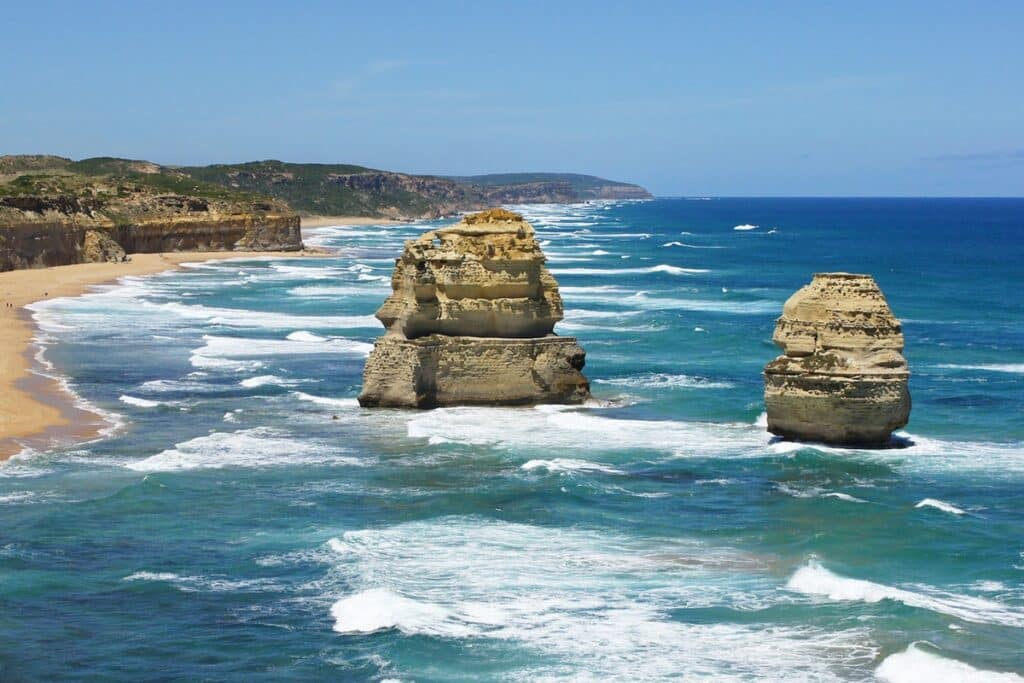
65	217
842	378
470	321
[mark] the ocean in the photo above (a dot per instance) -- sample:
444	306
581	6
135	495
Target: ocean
245	520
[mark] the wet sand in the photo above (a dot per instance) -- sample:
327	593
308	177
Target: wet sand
36	411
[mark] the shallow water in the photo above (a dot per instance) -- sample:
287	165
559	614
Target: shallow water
248	520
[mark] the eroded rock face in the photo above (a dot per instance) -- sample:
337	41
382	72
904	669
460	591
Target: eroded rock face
99	247
470	321
842	378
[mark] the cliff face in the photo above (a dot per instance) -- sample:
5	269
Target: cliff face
470	321
842	378
219	232
66	218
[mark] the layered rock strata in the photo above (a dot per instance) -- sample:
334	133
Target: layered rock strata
470	321
38	231
842	378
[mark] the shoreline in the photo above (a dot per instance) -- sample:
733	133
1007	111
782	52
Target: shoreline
326	221
36	410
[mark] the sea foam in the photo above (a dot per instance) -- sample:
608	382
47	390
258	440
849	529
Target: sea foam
660	268
814	579
599	603
1015	368
568	465
662	380
915	665
255	448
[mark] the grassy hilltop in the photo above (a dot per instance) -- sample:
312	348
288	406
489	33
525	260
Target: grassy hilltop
310	189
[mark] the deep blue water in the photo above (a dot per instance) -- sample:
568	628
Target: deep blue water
247	521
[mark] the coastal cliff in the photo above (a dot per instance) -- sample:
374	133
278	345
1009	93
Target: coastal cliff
66	215
842	378
49	204
343	189
471	321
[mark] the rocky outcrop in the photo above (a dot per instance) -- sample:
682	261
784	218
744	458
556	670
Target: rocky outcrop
99	247
471	320
842	378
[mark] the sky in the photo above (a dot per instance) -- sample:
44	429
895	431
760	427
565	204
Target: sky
722	98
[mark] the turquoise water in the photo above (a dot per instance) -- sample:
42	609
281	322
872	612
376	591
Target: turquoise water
246	520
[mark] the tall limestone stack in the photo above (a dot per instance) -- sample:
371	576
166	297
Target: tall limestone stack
842	378
470	322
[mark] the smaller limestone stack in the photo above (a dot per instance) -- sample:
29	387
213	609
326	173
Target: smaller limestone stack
471	320
842	378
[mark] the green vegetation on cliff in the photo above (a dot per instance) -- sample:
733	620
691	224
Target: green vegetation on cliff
317	189
586	186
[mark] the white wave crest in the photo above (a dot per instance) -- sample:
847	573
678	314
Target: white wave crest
260	447
304	336
378	609
268	380
568	465
660	268
244	318
1015	368
325	401
915	665
599	603
661	380
241	347
814	579
940	505
690	246
139	402
194	584
575	430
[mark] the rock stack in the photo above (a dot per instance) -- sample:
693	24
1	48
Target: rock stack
470	321
842	378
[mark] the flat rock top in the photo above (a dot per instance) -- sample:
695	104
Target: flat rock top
838	296
491	222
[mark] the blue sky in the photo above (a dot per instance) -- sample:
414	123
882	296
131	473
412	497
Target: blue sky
782	98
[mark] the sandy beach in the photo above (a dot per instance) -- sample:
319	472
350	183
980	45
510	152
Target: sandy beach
324	221
35	410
